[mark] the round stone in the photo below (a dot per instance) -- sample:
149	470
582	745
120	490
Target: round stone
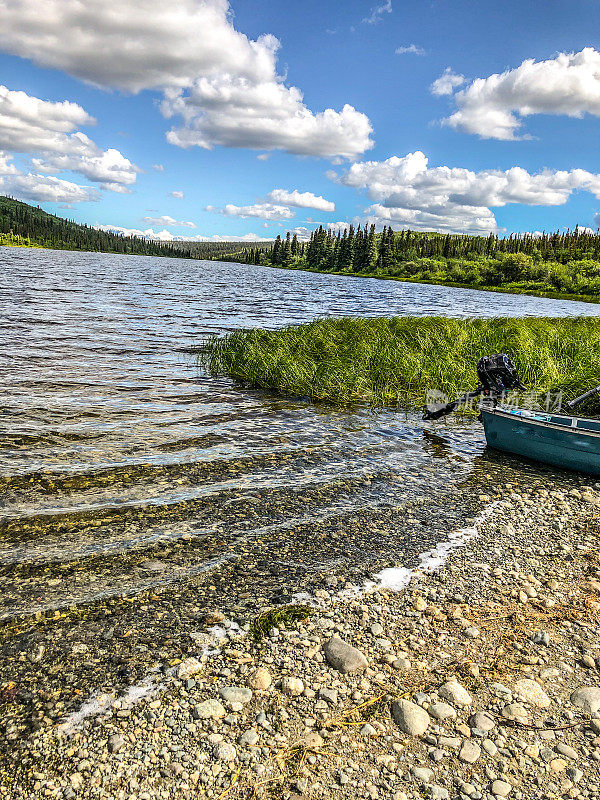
410	718
235	694
587	698
532	693
455	693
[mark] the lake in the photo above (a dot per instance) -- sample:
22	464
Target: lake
126	470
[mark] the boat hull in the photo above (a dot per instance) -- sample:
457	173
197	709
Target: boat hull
566	442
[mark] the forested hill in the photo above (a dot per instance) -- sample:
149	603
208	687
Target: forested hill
22	224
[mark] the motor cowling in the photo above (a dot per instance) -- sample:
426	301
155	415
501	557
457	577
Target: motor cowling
498	374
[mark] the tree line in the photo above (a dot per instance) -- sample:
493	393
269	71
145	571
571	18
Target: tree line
567	262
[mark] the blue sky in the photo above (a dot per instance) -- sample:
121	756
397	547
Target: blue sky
264	116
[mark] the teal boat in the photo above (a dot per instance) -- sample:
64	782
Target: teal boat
562	441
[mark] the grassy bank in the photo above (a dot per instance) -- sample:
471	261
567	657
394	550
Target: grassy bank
394	361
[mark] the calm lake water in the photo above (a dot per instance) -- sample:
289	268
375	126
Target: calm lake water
124	467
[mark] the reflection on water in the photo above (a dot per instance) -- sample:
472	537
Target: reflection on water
124	467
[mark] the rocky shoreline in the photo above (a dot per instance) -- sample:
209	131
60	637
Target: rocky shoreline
478	679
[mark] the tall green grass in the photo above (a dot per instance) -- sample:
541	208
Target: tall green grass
394	361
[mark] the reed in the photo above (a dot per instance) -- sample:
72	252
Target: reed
394	361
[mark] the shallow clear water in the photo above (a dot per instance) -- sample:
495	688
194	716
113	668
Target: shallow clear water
125	467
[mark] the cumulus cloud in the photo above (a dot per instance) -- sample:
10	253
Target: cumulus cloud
45	188
303	233
410	49
159	236
377	12
49	132
167	236
300	199
224	86
446	83
6	168
167	220
247	237
268	211
158	167
411	194
177	195
338	226
493	107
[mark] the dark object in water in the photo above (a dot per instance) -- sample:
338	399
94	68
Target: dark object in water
497	375
556	439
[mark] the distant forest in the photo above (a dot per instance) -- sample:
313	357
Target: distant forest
30	226
566	263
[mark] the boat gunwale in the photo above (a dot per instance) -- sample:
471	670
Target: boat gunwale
544	423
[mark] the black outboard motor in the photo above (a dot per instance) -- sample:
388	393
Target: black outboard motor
497	376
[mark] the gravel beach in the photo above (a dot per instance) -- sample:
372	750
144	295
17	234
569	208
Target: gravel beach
474	678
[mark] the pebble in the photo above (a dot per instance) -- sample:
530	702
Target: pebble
481	721
587	698
343	656
455	693
249	738
422	774
532	693
469	752
261	679
225	752
235	694
188	667
410	718
210	709
115	743
293	687
441	711
516	712
501	788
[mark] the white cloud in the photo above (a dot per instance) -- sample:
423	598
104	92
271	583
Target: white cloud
338	226
410	49
247	237
377	12
300	199
303	233
268	211
158	167
446	83
411	194
5	167
160	236
166	220
223	85
177	195
45	188
493	107
235	112
585	229
49	130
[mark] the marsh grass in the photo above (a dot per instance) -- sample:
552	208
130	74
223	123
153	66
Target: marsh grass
394	361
